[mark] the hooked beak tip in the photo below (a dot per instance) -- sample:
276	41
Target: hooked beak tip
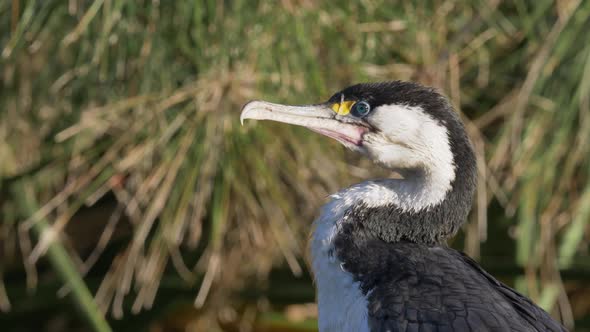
247	111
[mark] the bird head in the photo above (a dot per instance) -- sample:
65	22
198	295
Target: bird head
403	126
399	125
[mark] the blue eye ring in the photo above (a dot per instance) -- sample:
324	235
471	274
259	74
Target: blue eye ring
360	109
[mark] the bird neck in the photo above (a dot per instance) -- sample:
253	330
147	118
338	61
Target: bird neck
427	205
414	191
417	208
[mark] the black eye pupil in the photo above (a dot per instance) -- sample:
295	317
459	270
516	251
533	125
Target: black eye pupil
361	109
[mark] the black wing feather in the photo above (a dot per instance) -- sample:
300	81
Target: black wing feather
528	310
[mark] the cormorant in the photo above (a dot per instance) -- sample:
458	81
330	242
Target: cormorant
380	261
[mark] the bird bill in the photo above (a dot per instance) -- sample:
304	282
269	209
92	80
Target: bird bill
320	118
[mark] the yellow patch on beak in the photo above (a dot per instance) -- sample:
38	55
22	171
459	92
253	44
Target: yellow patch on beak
342	108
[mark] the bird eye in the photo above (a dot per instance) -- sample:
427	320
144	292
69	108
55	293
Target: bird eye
360	109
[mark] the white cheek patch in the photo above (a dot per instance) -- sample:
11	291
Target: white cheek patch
398	121
409	138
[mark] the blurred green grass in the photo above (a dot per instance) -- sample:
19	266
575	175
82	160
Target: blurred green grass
121	117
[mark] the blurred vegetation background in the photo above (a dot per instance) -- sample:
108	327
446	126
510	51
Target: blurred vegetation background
128	187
